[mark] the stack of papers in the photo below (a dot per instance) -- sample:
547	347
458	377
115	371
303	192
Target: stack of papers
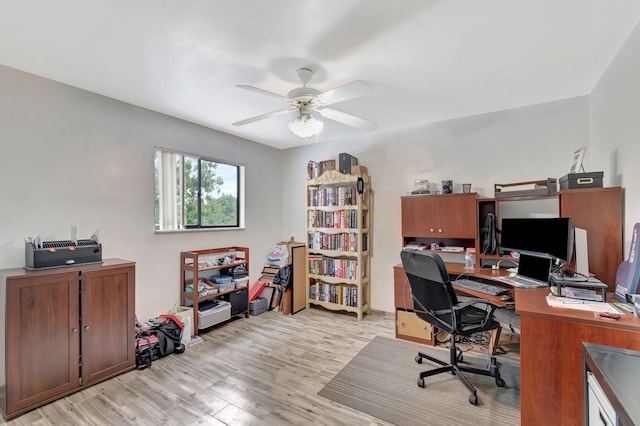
578	293
583	305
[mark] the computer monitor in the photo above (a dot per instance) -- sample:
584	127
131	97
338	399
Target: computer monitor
541	237
534	267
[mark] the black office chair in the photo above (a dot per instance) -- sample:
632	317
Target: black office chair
435	301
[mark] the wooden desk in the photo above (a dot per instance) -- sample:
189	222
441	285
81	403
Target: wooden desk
551	381
409	327
454	269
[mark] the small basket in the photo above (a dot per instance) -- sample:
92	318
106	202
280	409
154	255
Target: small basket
258	306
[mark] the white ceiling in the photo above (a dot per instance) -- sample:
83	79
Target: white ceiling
426	60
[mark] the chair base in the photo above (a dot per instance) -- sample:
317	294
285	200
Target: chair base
454	368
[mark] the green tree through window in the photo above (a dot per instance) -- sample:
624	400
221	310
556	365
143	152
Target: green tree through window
194	192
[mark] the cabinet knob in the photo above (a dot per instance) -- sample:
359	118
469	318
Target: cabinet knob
74	330
440	231
431	229
86	328
424	327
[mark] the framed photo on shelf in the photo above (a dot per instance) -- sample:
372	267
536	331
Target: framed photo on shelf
576	164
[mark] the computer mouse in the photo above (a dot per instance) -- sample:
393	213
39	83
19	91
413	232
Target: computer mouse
506	298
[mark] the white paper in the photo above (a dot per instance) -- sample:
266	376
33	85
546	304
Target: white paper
583	305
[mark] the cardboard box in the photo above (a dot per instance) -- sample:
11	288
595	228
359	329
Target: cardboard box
327	165
581	180
358	169
533	187
286	304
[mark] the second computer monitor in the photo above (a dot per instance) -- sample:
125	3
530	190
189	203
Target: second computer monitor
542	237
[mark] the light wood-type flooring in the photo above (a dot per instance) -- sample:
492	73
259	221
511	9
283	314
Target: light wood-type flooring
264	370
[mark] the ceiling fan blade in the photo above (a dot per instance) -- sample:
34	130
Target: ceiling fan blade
263	116
348	119
264	92
351	90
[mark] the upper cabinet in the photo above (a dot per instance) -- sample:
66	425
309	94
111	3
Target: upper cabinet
440	218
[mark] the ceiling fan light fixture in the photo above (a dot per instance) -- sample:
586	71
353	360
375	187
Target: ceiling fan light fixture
306	126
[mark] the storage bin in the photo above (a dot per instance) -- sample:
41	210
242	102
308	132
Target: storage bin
258	306
219	313
205	287
222	287
581	180
239	301
221	279
242	282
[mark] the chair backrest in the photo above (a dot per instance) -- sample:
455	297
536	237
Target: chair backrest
429	281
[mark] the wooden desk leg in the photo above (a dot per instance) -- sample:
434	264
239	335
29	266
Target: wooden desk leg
495	338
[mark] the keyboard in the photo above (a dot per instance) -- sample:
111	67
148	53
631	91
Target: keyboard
519	281
492	290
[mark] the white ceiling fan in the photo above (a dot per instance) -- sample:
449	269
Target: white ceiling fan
306	100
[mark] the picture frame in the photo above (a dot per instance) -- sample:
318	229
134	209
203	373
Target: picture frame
576	164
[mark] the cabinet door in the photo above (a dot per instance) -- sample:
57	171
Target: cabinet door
599	211
42	339
108	322
457	217
419	217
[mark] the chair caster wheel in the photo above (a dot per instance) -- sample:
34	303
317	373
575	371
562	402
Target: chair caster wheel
500	383
460	358
421	382
473	399
418	359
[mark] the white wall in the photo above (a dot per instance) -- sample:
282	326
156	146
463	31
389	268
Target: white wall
70	157
615	128
523	144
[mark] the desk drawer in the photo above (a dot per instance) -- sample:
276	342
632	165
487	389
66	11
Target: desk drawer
410	327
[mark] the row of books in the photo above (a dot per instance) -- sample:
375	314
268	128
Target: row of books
331	267
344	241
338	219
332	196
334	293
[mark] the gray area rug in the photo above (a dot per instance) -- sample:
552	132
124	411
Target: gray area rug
382	381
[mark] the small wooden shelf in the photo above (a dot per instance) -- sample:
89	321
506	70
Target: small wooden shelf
190	271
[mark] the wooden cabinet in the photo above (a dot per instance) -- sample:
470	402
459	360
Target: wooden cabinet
447	220
597	210
440	216
66	329
339	239
197	265
108	312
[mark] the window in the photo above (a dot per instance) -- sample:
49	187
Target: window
193	192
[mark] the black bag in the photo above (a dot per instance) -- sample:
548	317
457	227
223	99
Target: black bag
170	336
147	349
489	231
156	342
282	276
